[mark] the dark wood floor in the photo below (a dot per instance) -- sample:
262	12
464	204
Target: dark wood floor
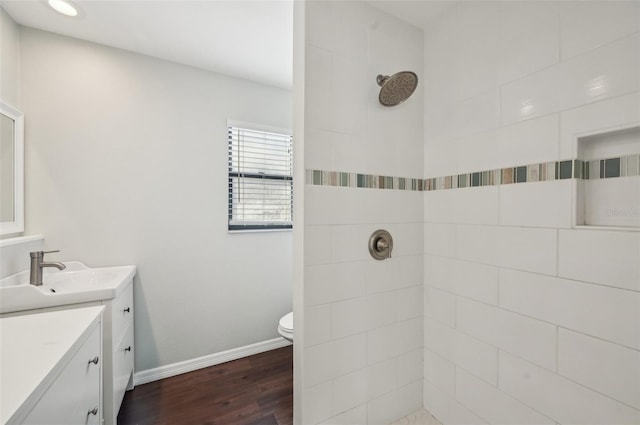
255	390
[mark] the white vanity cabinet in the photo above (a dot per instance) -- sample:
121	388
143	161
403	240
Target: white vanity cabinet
117	344
118	352
51	368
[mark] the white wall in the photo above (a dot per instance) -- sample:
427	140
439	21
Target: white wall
126	164
10	60
527	320
362	330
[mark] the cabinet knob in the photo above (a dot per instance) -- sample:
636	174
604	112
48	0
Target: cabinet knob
93	411
94	360
128	348
127	310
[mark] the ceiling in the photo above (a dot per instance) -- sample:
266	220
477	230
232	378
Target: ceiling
246	39
250	39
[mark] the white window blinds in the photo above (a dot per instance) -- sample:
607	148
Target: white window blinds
260	179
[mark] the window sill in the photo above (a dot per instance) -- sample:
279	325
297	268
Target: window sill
259	231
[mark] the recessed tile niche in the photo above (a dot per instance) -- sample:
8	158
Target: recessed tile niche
608	184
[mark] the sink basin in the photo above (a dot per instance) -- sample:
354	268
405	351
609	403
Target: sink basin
76	284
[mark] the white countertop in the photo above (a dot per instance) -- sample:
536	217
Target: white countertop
33	350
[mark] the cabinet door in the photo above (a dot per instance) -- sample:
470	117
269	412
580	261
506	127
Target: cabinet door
121	315
75	392
122	367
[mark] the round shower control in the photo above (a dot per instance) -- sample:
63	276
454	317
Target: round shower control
380	244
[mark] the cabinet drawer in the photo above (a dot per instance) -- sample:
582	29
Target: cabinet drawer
122	314
122	367
76	390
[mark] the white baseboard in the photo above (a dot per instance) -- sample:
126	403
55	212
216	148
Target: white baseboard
174	369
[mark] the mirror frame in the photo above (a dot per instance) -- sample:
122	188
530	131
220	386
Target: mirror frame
16	226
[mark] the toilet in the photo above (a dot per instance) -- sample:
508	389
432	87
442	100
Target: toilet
285	326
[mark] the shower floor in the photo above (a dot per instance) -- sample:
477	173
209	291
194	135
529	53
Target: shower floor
255	390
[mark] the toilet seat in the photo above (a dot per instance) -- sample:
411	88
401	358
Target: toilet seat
285	326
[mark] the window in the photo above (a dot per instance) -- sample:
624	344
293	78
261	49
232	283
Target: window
260	179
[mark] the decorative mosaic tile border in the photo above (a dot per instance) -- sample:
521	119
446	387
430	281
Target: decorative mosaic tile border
624	166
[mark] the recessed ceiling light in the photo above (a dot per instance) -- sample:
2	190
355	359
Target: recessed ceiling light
63	7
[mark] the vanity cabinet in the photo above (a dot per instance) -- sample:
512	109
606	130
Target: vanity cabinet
74	397
117	345
52	366
118	352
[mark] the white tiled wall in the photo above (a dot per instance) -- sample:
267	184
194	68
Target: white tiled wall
363	318
527	320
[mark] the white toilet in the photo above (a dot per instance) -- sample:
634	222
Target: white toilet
285	326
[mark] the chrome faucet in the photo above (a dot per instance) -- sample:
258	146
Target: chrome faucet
37	264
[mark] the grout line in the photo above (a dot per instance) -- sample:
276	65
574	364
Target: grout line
635	291
557	349
573	382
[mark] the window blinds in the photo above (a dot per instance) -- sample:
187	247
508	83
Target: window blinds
260	179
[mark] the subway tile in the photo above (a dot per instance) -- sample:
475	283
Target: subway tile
471	280
528	142
408	238
334	282
559	398
390	33
469	353
319	16
476	151
350	23
319	71
493	405
527	249
553	300
609	258
317	325
382	206
346	152
317	245
319	113
382	377
476	205
317	149
349	242
446	409
607	368
474	115
316	404
381	309
588	25
349	391
440	239
357	415
393	340
529	38
478	243
606	72
320	205
540	204
440	305
616	112
527	338
474	47
439	372
349	317
395	404
396	273
410	367
330	360
409	303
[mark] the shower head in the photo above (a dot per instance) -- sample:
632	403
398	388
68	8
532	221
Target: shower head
397	88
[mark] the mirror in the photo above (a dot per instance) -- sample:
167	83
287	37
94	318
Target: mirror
11	170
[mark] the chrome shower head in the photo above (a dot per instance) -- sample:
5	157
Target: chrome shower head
397	88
